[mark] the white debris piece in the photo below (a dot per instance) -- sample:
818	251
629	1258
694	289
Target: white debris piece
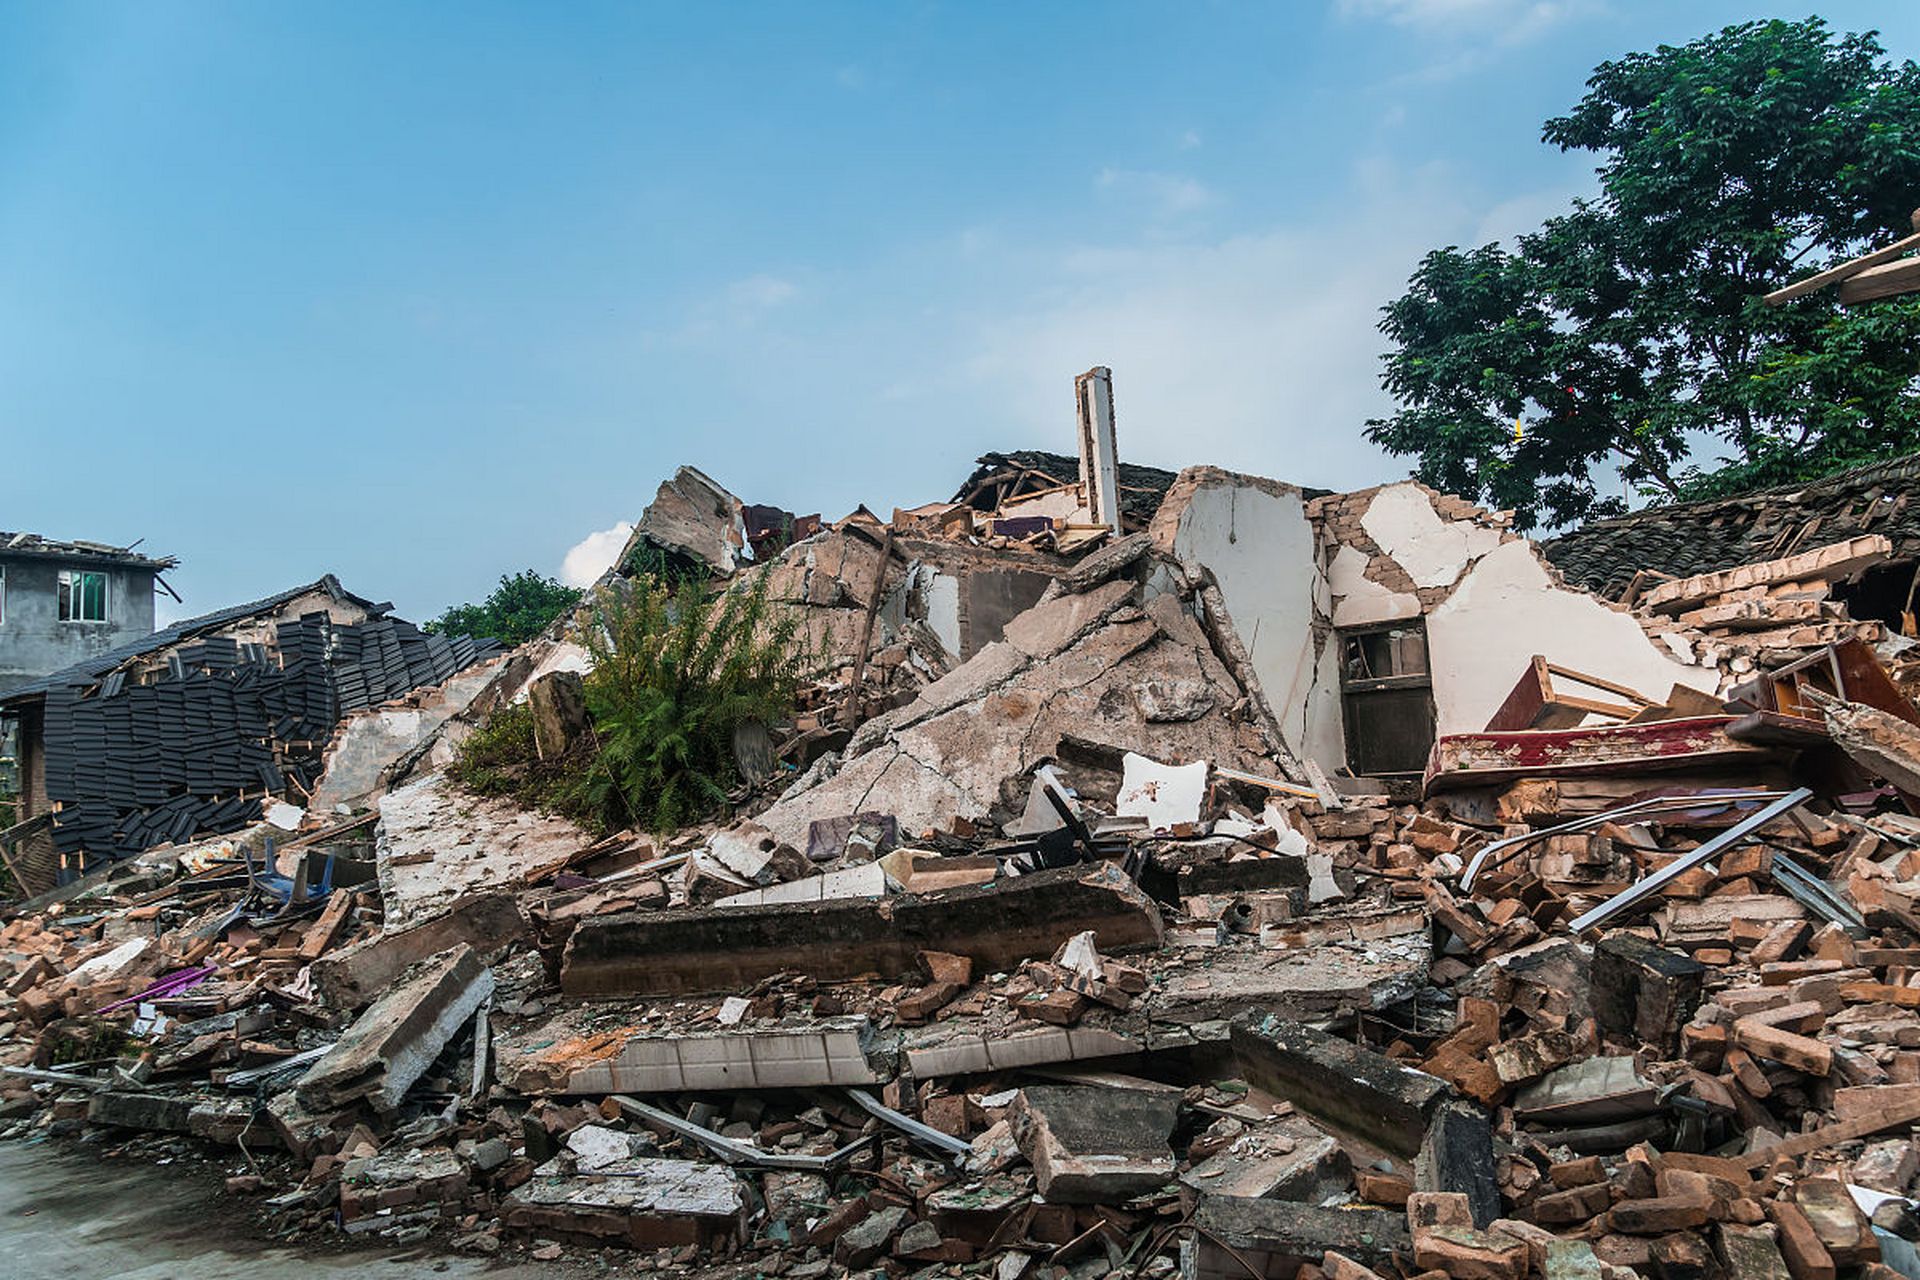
1166	795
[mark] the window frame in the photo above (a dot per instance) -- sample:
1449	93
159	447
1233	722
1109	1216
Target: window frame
1363	697
70	590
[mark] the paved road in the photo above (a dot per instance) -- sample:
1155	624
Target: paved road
67	1215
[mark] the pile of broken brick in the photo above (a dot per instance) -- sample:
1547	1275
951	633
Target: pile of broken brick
1341	1035
1052	962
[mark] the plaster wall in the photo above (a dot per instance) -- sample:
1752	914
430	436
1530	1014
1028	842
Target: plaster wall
1256	538
1508	608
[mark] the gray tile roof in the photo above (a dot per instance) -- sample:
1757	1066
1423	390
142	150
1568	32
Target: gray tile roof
1705	537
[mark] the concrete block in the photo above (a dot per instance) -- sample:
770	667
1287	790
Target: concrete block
353	975
640	1202
1644	993
730	948
393	1043
1096	1145
828	1052
1279	1237
1352	1089
150	1112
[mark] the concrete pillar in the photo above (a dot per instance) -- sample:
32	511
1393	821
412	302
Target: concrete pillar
1099	459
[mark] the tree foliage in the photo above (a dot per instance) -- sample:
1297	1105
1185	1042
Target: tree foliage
519	609
1629	332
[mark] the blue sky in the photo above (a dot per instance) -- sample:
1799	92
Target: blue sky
422	294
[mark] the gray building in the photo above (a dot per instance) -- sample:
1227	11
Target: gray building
65	602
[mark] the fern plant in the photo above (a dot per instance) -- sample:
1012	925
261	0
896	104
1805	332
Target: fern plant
675	672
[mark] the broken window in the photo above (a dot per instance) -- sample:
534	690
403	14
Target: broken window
83	596
1387	691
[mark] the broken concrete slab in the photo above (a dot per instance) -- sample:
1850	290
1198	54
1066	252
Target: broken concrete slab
839	1051
436	843
1596	1091
941	1051
368	745
1292	1159
148	1112
1278	1237
1353	1089
641	1202
1068	667
727	948
868	880
1093	1145
354	974
393	1043
693	518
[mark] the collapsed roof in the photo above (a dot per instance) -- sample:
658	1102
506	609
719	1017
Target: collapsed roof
34	544
1704	537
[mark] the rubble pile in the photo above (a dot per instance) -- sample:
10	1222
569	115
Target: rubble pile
1032	948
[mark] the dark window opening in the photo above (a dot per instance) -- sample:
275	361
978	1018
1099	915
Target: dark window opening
1387	695
83	596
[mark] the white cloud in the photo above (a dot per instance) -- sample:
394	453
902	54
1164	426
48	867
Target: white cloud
761	293
1165	194
1258	351
1190	139
593	555
1514	20
740	304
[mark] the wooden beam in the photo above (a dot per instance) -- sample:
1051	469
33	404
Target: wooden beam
1840	1131
1888	281
1846	270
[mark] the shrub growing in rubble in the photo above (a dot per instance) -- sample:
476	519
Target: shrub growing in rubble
675	673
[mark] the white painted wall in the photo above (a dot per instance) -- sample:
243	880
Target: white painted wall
1433	551
1507	609
1260	547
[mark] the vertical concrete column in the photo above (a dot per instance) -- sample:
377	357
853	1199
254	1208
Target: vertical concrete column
1099	458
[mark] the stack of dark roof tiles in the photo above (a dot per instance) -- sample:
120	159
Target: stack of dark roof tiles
194	752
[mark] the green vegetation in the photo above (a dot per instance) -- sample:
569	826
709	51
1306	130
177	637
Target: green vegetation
519	609
1628	330
675	673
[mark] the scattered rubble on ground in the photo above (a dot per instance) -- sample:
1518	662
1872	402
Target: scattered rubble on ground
1050	939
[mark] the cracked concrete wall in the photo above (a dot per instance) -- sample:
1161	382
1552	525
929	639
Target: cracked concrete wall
1255	536
1490	601
1510	606
959	596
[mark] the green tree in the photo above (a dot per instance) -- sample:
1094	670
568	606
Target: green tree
518	610
1629	332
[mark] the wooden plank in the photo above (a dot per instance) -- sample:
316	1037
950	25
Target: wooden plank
1829	1135
1846	270
320	935
1887	281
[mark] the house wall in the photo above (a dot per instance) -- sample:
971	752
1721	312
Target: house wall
1257	539
33	640
1489	599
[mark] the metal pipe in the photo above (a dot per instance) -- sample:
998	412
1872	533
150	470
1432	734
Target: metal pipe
1650	885
1658	804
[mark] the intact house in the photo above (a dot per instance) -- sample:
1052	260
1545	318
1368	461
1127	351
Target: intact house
63	602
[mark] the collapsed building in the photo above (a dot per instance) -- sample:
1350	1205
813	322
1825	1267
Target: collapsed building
1163	873
201	727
